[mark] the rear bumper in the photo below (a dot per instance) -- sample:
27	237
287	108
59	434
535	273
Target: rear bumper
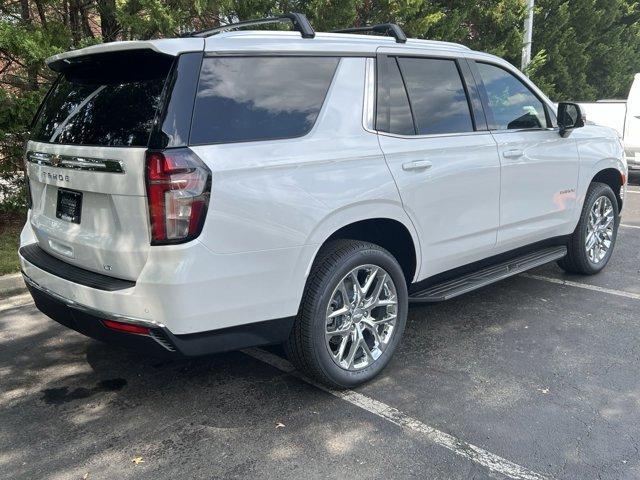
160	341
89	322
187	287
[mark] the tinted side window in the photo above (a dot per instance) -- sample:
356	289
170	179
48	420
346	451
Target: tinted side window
394	112
437	96
512	104
243	99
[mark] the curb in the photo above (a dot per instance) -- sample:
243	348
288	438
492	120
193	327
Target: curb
11	284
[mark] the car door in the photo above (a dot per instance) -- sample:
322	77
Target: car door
433	134
539	167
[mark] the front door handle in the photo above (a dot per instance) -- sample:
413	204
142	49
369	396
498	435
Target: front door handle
417	165
512	153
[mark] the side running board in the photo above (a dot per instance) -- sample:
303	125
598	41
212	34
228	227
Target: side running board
488	275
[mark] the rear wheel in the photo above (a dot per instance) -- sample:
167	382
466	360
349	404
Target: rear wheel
352	316
593	240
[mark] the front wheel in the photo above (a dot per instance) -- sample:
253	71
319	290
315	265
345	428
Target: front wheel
352	316
591	244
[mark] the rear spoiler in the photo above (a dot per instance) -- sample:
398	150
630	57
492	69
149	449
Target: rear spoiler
170	47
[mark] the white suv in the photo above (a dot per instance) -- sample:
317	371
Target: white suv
239	188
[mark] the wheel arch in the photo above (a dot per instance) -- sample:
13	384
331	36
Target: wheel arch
391	234
614	178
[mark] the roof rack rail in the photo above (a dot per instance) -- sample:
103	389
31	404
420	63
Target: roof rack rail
391	29
299	21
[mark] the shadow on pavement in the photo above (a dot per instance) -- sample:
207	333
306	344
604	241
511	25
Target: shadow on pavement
71	406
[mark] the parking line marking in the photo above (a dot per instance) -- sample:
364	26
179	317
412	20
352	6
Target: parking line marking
629	226
476	454
585	286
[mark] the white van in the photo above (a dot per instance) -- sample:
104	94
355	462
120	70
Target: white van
624	117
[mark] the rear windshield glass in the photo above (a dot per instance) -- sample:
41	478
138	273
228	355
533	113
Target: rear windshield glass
244	99
82	112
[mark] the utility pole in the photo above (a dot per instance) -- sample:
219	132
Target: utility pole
528	35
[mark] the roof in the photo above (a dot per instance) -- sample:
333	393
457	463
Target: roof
323	42
261	41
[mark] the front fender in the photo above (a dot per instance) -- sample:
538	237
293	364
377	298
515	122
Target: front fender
599	149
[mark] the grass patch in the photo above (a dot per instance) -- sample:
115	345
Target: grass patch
10	226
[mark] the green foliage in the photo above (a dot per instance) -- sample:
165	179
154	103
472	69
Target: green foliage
9	240
586	50
494	26
583	49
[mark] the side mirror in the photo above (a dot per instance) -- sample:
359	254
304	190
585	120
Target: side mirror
569	117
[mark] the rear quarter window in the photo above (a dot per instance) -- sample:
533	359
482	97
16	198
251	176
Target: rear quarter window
394	111
243	99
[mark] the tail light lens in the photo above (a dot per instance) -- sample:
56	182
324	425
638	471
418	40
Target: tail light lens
178	189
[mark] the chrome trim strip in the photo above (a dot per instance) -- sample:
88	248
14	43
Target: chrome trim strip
464	134
287	53
527	130
91	311
435	135
369	95
75	163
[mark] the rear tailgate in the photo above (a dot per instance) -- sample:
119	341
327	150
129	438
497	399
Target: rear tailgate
86	159
112	234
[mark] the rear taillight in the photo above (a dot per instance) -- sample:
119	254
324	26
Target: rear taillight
178	189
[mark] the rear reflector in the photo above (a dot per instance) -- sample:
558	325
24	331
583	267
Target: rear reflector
126	327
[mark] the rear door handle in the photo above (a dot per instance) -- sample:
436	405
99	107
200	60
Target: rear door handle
512	153
417	165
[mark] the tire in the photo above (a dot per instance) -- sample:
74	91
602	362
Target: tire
579	259
313	349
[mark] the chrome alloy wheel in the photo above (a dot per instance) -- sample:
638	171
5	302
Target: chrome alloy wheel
600	227
361	317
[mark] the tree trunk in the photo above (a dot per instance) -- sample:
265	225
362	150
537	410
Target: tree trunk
25	13
363	13
216	15
75	22
41	13
84	20
108	22
65	13
32	69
